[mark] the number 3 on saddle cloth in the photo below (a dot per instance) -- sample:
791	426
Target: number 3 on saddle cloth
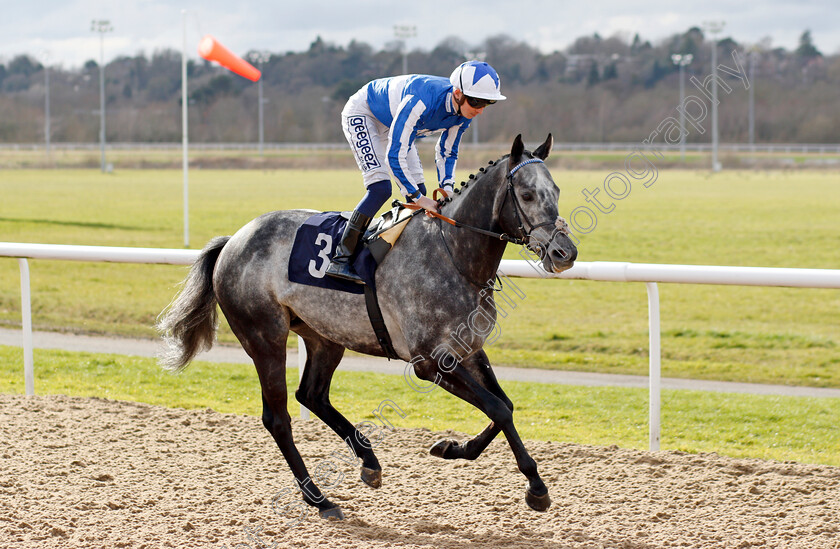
315	243
317	238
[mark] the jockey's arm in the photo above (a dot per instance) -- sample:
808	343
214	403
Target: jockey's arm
446	156
403	135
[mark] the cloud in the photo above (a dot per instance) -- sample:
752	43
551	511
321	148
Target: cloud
63	27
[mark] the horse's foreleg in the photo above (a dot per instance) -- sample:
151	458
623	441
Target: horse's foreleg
322	358
478	365
460	383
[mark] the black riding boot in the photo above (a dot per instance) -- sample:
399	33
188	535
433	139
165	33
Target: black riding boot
340	265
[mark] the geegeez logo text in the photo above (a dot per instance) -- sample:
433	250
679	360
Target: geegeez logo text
362	145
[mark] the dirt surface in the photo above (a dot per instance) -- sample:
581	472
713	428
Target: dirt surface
94	473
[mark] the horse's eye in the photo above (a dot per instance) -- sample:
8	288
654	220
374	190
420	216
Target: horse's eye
527	196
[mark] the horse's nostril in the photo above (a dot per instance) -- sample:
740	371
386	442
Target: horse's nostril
564	255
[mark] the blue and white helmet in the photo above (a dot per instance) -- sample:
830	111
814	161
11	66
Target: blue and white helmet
477	79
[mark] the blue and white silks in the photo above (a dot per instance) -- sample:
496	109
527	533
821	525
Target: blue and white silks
412	107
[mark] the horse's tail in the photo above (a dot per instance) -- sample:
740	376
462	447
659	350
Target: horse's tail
188	325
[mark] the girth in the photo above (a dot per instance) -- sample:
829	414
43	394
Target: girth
379	242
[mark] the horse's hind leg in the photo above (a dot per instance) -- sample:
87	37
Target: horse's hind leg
267	347
478	365
322	359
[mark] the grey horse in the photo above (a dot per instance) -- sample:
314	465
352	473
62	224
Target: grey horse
430	282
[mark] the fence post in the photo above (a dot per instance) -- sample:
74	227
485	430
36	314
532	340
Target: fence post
304	411
26	322
655	364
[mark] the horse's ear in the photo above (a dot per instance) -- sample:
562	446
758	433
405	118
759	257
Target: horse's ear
544	149
516	151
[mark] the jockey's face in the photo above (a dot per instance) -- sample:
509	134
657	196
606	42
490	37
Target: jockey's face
463	106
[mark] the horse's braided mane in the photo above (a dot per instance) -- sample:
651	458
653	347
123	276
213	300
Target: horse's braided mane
489	164
477	176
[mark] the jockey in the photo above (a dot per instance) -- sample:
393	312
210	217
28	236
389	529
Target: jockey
382	121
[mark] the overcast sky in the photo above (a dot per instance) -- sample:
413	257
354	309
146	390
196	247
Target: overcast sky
62	27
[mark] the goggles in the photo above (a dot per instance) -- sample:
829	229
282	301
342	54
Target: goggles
478	103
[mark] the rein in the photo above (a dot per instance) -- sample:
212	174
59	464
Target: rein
559	224
455	223
517	208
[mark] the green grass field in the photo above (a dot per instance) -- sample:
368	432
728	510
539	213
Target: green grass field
776	219
773	335
766	427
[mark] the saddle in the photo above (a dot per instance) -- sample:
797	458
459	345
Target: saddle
313	247
315	242
384	231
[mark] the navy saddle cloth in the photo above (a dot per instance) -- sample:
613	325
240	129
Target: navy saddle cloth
315	243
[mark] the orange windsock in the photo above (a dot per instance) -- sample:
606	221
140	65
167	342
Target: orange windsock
211	49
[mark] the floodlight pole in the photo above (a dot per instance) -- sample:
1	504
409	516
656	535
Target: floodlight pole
681	61
404	32
260	113
260	57
47	104
753	53
713	28
475	56
101	26
184	132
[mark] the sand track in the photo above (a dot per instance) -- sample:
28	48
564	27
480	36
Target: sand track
94	473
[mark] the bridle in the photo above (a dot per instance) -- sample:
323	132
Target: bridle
525	240
559	224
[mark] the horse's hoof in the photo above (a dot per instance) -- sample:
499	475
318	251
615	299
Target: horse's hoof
440	448
537	503
334	513
372	477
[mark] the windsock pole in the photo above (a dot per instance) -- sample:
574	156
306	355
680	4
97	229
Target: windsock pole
185	133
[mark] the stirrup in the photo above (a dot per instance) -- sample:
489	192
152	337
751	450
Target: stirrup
343	271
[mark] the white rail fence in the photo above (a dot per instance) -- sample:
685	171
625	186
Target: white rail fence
650	274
